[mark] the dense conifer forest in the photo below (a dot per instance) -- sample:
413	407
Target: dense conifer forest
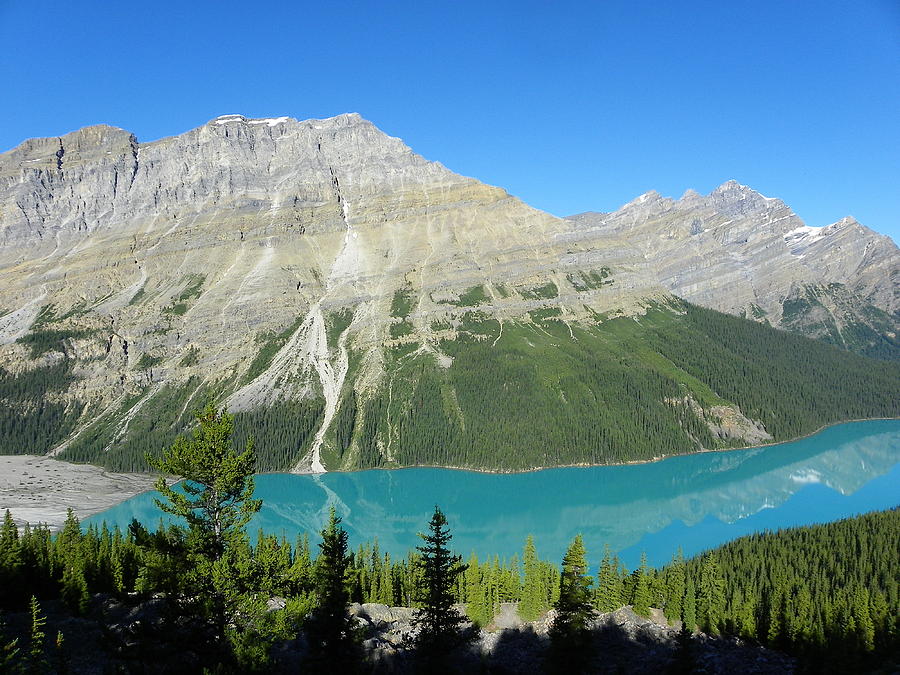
828	594
549	393
522	395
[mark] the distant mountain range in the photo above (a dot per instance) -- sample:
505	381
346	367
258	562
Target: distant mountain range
749	255
357	305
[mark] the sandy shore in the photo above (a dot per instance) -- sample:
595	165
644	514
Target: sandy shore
41	489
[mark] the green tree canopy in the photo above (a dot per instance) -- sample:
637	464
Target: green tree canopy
569	636
216	497
438	621
330	628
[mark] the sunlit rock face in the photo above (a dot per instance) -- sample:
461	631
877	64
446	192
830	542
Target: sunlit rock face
176	257
256	261
740	252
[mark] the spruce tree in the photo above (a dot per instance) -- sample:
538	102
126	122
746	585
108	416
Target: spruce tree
865	628
569	636
711	597
439	623
10	563
476	608
609	595
332	640
640	602
534	595
689	606
675	580
74	590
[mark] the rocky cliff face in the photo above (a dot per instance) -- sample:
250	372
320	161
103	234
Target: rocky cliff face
737	251
150	262
263	261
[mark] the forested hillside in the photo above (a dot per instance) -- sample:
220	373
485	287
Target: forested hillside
516	395
826	593
548	393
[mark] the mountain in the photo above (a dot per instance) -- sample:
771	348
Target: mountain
739	252
356	305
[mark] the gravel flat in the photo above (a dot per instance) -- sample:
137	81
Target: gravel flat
41	489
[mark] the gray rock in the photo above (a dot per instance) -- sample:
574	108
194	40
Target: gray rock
737	251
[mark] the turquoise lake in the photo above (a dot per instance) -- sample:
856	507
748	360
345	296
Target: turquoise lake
694	501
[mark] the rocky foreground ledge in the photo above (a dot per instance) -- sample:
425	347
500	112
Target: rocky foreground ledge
625	643
118	636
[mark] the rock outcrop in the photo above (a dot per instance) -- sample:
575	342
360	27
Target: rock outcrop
737	251
153	262
260	261
125	636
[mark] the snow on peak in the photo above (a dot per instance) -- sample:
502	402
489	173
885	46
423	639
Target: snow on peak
800	238
653	195
270	121
225	119
805	232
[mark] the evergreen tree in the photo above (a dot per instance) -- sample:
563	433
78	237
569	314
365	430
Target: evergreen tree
74	590
476	608
37	648
684	655
640	602
438	621
865	627
9	650
711	597
332	640
211	557
746	620
569	636
534	595
689	606
675	581
10	563
216	497
609	585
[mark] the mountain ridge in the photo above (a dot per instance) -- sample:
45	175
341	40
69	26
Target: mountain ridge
302	268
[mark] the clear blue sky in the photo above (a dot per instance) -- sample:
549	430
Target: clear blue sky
571	106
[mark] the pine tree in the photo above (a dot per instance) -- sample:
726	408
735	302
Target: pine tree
207	562
569	636
534	595
332	640
689	607
641	601
711	598
609	586
438	621
37	647
216	499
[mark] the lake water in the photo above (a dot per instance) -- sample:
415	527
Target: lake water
695	501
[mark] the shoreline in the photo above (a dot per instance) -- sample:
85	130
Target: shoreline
40	489
634	462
